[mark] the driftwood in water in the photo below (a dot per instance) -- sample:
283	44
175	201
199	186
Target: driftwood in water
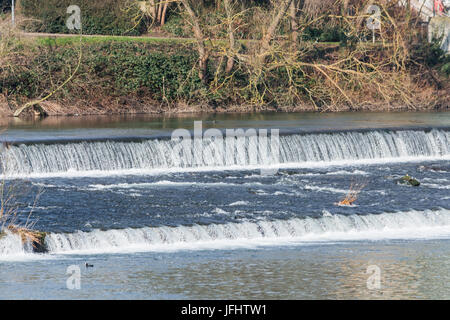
36	108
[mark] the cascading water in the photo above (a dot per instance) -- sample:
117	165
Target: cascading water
403	225
11	245
44	158
57	157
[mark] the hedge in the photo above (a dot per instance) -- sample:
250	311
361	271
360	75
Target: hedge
108	17
114	69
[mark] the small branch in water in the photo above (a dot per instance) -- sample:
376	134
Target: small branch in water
352	195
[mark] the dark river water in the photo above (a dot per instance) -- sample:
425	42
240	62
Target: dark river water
203	223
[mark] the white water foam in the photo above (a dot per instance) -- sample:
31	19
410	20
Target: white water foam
165	183
11	244
327	189
239	203
163	171
12	249
436	186
156	156
334	173
328	228
345	172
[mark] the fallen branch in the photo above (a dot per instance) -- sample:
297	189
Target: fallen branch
33	103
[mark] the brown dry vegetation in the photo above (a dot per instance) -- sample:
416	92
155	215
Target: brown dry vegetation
352	195
277	69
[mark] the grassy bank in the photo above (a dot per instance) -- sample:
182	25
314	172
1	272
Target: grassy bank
122	75
128	74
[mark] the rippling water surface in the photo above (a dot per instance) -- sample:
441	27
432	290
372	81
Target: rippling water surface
154	226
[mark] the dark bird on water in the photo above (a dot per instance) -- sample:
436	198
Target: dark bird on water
89	265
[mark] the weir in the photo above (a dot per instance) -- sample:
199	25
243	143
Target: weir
399	225
329	227
41	158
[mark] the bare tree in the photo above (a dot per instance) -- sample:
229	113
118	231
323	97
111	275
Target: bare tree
157	9
294	10
200	40
229	13
164	13
293	19
270	33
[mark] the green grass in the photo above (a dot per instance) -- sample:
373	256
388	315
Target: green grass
69	40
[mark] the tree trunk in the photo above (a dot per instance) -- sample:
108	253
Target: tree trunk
153	9
229	12
270	33
158	19
264	50
345	7
164	13
294	25
200	39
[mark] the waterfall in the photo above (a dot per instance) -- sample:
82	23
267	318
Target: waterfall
399	225
11	245
411	224
42	158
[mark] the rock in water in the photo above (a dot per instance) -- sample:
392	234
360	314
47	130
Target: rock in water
409	180
39	244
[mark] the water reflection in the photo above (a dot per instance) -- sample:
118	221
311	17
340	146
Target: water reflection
408	271
307	119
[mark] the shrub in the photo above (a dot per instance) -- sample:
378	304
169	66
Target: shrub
428	53
445	69
109	17
175	25
324	34
117	68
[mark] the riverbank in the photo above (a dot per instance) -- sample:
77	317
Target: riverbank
132	106
132	75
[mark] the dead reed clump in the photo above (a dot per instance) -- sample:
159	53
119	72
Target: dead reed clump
27	235
352	195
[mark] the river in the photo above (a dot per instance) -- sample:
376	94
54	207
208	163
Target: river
159	224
